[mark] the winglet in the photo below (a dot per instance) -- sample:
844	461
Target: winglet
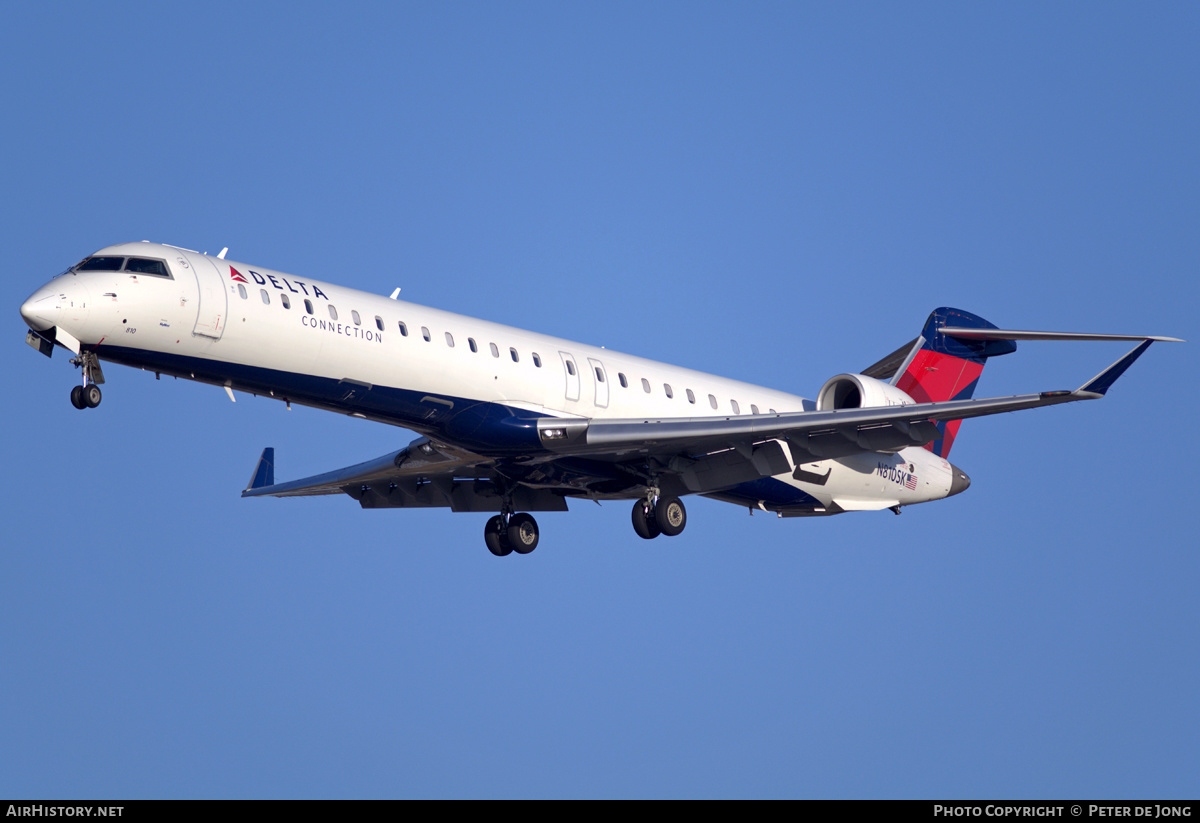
264	472
1100	384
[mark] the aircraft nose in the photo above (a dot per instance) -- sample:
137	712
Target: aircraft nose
959	481
40	311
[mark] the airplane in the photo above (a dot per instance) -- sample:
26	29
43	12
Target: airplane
512	422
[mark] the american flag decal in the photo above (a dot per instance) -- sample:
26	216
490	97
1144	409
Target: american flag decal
911	482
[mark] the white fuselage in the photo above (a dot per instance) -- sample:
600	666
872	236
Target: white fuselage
253	329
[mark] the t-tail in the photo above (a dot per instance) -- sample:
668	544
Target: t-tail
945	362
941	367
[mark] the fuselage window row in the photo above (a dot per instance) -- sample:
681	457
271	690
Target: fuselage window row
495	349
132	265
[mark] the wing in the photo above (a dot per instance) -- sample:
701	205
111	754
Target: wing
422	475
817	434
601	458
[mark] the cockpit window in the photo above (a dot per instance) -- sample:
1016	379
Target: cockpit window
143	266
137	265
101	264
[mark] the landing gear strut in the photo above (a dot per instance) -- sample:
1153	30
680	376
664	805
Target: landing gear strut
506	533
653	516
88	395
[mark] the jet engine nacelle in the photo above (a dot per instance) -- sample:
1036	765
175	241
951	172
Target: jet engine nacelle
857	391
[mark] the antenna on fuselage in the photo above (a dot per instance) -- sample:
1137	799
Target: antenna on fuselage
221	256
396	293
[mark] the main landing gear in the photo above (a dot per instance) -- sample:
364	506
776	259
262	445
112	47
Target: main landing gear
88	395
653	516
507	533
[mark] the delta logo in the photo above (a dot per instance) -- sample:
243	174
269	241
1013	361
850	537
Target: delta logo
278	283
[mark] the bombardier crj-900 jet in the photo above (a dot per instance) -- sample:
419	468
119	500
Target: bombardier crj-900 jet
512	421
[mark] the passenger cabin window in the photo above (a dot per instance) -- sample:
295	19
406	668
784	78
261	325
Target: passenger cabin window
332	312
537	361
449	340
646	385
736	409
496	350
403	328
772	411
471	343
379	322
425	333
668	390
242	291
570	368
753	409
712	401
599	375
357	319
308	305
691	396
622	380
513	353
285	300
266	298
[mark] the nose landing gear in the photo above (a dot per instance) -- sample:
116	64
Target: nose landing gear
88	395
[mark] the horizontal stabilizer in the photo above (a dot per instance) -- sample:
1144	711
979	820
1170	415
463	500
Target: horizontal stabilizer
1013	334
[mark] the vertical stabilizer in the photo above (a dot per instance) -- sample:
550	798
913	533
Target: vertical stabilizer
948	368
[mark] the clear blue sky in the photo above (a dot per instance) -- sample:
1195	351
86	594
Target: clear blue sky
777	192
